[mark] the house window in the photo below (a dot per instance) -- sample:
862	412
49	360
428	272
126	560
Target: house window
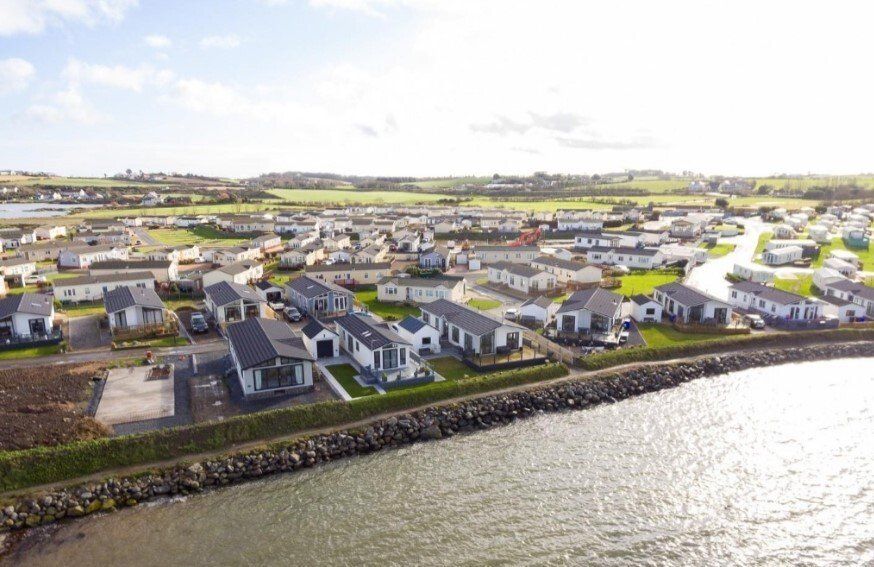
279	377
426	318
650	311
232	314
376	359
426	340
455	338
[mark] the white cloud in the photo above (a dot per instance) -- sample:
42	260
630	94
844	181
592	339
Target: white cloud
158	41
33	16
66	105
117	76
220	41
15	74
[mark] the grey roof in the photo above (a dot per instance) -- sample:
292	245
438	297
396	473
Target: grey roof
235	268
597	300
466	318
629	250
769	293
642	299
559	263
314	327
222	293
264	285
541	301
86	249
258	340
104	278
16	262
31	303
507	248
517	269
127	296
345	267
411	324
685	295
130	265
436	281
368	333
311	287
855	288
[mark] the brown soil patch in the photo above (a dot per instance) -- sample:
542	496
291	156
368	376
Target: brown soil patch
45	405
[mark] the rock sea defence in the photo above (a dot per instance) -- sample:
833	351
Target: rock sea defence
429	424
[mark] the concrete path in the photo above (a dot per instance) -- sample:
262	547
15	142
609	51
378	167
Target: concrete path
146	238
709	277
106	354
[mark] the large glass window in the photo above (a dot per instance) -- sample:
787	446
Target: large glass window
279	377
390	358
455	334
232	314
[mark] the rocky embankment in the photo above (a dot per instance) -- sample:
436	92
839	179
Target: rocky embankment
432	423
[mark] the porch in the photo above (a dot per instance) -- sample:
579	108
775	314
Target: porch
13	342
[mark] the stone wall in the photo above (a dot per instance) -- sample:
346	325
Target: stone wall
429	424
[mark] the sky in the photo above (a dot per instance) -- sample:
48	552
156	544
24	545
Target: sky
435	87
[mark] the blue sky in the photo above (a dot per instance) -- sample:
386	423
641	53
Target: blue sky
423	87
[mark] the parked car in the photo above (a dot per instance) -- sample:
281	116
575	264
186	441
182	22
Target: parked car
276	305
198	323
755	321
292	314
511	314
34	279
623	337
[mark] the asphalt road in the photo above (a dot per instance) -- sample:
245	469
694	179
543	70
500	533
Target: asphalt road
710	276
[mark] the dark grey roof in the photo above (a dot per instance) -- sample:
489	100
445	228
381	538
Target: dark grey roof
769	293
502	248
631	251
368	333
105	278
411	324
516	269
855	288
541	301
559	263
259	340
16	262
347	267
264	285
127	296
597	300
235	268
466	318
138	265
314	327
836	300
31	303
642	299
423	282
311	287
685	295
222	293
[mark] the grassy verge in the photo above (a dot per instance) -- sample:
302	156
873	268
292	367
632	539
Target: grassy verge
385	310
722	344
345	375
43	465
483	304
657	335
718	250
802	285
451	368
32	352
196	235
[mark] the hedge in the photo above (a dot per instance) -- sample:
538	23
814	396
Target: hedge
45	465
718	345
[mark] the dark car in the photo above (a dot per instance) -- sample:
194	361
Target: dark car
198	323
292	314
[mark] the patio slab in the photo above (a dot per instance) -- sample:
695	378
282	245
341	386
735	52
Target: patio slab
134	394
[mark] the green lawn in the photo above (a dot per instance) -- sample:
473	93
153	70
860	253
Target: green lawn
385	310
644	282
718	250
658	335
197	235
484	304
865	256
30	352
344	374
763	240
82	309
802	285
451	368
281	277
343	196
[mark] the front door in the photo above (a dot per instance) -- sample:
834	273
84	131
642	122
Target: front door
721	315
121	320
37	327
468	342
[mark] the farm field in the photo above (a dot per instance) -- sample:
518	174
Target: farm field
652	185
343	196
26	181
450	182
229	208
802	184
197	235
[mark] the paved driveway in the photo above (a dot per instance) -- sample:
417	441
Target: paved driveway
85	333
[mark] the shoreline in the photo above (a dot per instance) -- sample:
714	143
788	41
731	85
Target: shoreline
433	422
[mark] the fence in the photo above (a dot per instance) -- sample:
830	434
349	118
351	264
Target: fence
150	330
550	349
28	341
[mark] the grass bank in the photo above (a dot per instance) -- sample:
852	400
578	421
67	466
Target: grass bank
45	465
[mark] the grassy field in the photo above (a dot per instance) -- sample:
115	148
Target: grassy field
451	368
484	304
643	282
385	310
450	182
657	335
344	374
25	181
802	184
802	285
343	196
229	208
865	256
718	250
651	185
200	235
30	352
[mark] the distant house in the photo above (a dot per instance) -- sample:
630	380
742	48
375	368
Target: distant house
375	253
420	290
42	251
226	256
682	228
538	310
238	272
641	258
753	272
50	232
439	257
645	309
858	293
773	302
688	305
588	311
515	254
374	346
231	302
133	307
92	288
163	270
269	358
17	269
567	271
350	274
588	240
26	316
266	242
472	331
781	256
319	298
423	337
320	341
83	256
519	277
